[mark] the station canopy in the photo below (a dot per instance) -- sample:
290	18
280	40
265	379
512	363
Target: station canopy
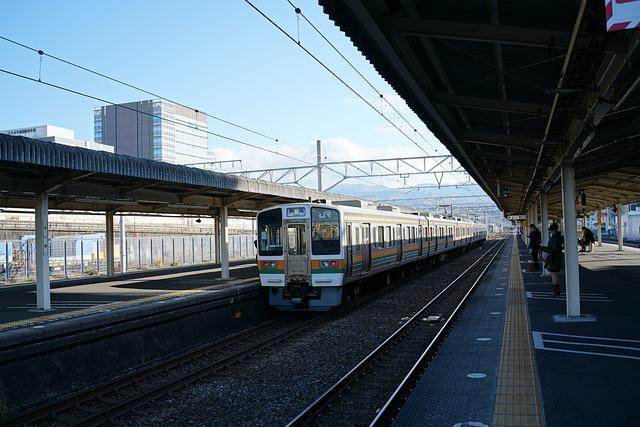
77	179
514	88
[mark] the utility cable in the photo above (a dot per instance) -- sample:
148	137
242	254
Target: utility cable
139	89
193	127
315	58
382	97
176	122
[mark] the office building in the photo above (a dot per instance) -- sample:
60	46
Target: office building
57	135
154	129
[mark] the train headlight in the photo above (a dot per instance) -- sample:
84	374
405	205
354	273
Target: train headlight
265	264
333	263
272	264
324	264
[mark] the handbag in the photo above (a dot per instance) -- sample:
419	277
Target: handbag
545	254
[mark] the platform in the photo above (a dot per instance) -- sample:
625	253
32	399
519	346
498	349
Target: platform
80	297
509	361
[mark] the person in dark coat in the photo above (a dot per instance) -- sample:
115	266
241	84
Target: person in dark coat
554	264
534	243
588	239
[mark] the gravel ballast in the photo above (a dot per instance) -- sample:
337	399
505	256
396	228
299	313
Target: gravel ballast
272	387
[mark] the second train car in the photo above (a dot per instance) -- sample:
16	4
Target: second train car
310	253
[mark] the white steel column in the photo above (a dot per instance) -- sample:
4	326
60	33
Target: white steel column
110	243
544	227
319	163
571	270
224	242
123	246
216	233
43	288
620	228
599	217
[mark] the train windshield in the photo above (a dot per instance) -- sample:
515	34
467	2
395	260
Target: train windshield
270	233
325	231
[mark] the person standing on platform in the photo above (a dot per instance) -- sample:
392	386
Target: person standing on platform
534	244
588	239
553	262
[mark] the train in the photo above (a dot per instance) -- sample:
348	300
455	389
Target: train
312	255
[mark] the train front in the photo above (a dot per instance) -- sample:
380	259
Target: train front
300	256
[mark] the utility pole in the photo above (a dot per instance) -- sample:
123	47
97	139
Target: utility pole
319	164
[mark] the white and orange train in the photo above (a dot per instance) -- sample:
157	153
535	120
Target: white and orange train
310	254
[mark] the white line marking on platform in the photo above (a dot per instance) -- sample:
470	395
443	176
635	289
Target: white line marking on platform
540	343
583	297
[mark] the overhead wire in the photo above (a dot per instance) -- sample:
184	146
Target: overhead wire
299	12
135	87
380	94
42	53
333	73
193	127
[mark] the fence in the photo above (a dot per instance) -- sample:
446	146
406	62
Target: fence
85	255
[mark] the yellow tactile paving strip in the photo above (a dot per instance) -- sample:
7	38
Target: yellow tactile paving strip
518	401
117	305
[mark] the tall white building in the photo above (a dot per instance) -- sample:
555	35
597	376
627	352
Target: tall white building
154	129
57	135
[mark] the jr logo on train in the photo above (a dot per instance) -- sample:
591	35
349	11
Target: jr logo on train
309	254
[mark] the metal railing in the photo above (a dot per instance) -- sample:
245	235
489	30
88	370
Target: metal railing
85	255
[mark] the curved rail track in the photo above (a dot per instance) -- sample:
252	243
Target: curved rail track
361	397
113	398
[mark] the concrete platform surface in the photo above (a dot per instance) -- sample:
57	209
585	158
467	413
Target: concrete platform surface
18	304
510	362
590	371
460	384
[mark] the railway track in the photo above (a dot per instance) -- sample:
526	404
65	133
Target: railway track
111	399
115	397
361	397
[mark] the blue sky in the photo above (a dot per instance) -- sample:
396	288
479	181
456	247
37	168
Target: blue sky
218	56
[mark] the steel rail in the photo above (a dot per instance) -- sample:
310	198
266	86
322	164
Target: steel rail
101	389
386	415
315	408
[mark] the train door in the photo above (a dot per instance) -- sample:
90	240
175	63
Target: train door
297	259
349	254
398	242
366	247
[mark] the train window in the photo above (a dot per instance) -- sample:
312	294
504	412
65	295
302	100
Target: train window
413	234
269	232
325	231
381	236
357	242
387	236
297	239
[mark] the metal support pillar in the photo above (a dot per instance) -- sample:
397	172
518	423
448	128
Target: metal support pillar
571	271
599	218
110	244
123	246
319	163
224	242
620	228
216	232
544	214
43	289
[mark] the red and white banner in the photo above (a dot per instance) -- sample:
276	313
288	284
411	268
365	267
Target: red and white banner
622	14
